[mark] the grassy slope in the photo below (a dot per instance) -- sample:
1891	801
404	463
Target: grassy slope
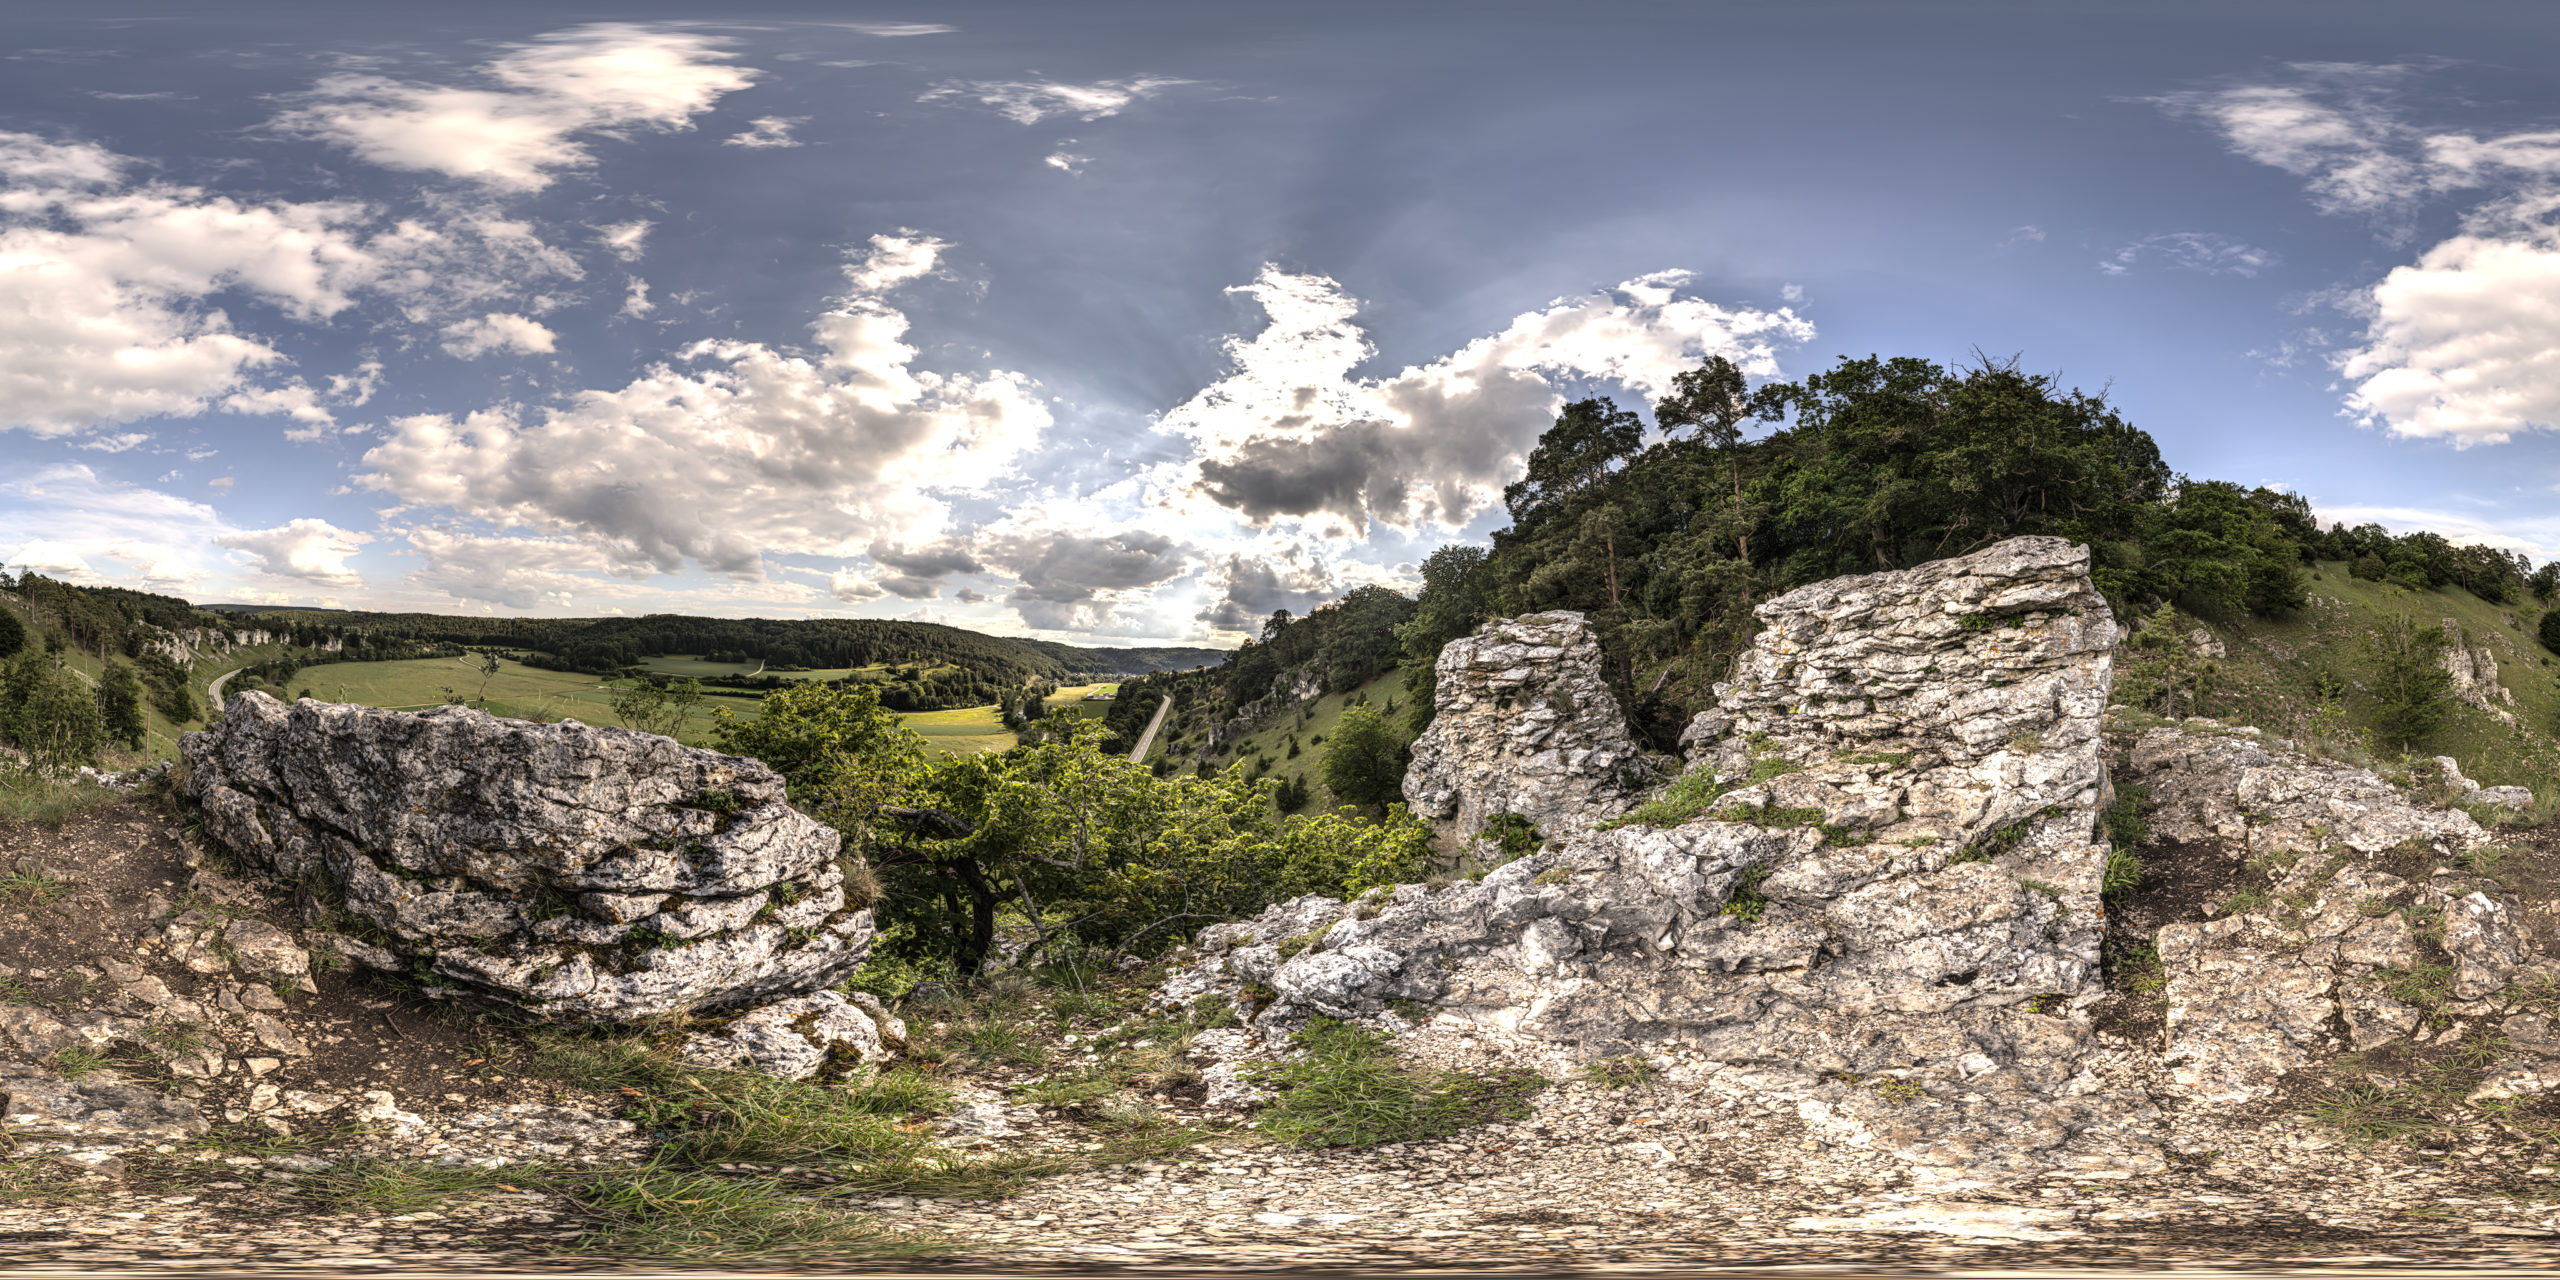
2268	680
1321	716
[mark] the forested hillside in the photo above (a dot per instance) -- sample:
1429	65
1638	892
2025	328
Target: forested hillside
1666	534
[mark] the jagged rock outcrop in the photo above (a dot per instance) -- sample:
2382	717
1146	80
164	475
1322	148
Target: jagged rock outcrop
2345	891
1899	882
1524	723
2475	673
582	875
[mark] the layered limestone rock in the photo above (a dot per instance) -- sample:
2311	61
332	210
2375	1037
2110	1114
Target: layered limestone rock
582	875
2475	673
1880	916
2346	892
1524	724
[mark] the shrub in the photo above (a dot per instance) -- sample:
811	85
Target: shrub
1365	763
2549	630
2412	691
50	714
120	706
13	634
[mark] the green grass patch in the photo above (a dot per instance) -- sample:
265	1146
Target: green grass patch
1348	1090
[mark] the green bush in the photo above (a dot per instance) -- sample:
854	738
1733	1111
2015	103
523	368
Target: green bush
2549	630
1081	846
50	715
1365	762
13	634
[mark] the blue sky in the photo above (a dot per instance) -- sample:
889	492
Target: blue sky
1132	322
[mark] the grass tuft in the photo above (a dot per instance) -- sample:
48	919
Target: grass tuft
1348	1090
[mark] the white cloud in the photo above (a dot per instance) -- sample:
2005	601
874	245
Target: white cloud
2460	344
635	303
1073	164
767	131
627	240
894	30
1293	433
736	448
523	123
2465	343
309	549
1031	101
68	521
894	260
2028	234
2199	251
496	332
104	288
510	572
116	443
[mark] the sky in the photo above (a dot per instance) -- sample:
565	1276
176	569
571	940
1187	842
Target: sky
1133	322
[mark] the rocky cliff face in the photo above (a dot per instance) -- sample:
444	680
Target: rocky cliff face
1897	881
1525	724
580	874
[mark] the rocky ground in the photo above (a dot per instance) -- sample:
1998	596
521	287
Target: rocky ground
451	1148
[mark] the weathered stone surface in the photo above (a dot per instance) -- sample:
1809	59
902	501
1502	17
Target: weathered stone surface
1525	724
262	950
802	1037
515	858
90	1119
1910	863
2255	995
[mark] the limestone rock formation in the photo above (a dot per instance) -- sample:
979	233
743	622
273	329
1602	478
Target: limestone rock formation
582	875
1898	883
2475	673
2344	887
1525	724
802	1037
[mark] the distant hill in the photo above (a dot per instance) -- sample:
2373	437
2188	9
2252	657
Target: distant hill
603	644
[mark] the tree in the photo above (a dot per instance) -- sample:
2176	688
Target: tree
52	717
120	705
1364	760
1574	455
1710	400
2549	630
2412	691
652	707
488	667
13	634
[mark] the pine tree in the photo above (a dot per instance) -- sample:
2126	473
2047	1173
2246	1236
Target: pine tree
120	705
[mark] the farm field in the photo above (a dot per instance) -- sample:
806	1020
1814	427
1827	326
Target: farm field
696	668
530	693
1071	697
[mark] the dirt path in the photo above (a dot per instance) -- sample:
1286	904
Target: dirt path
1148	739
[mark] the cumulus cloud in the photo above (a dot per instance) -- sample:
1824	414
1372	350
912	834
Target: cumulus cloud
104	285
2198	251
1293	433
1252	586
2464	344
1074	577
735	448
498	332
1063	161
767	131
918	571
852	588
523	120
1031	101
2459	344
309	549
